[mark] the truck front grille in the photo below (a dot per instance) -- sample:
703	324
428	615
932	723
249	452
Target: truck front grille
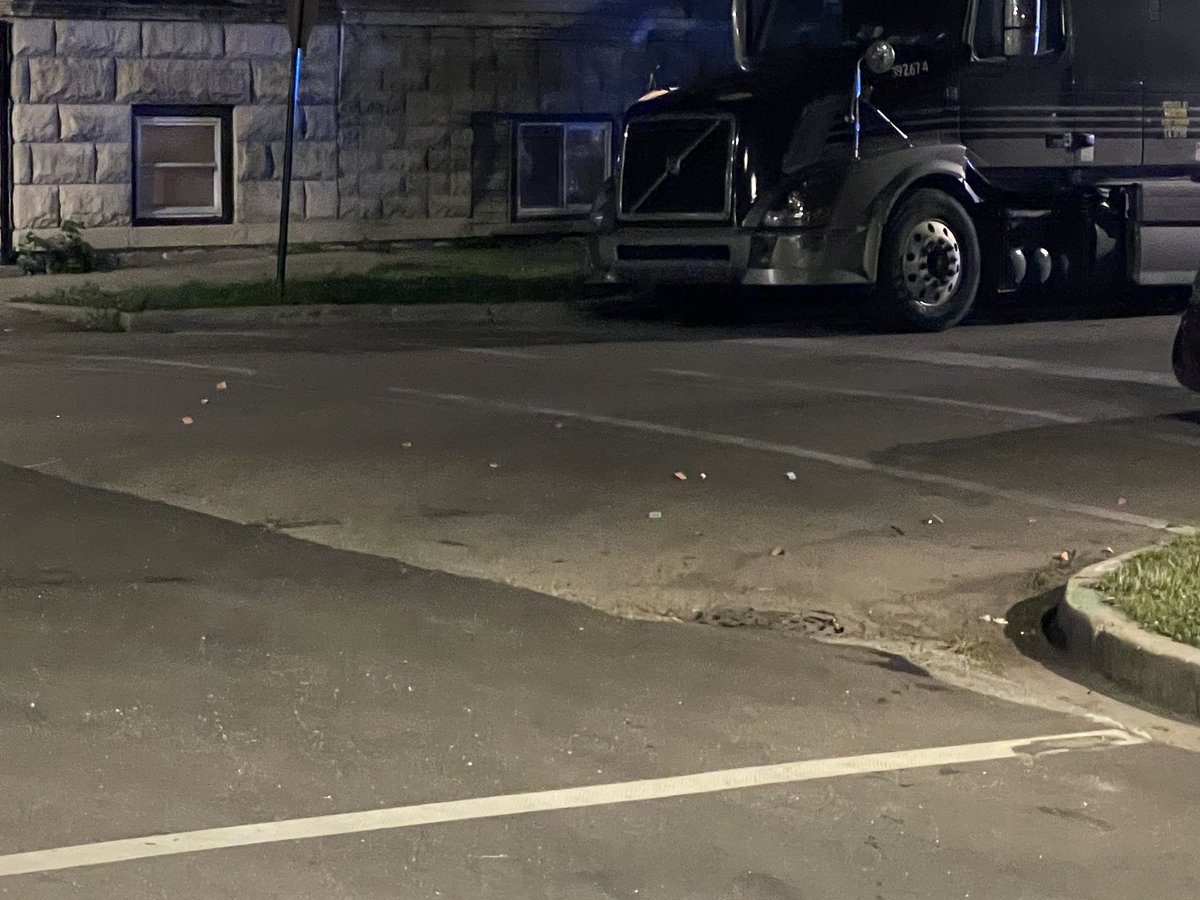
674	252
677	167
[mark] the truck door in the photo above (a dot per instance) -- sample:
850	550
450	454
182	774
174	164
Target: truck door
1109	66
1015	111
1172	76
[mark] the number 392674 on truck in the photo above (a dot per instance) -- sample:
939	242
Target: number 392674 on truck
934	151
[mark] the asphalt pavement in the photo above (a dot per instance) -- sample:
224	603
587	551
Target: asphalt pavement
345	588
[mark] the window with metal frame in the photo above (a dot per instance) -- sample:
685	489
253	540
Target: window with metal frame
182	165
561	166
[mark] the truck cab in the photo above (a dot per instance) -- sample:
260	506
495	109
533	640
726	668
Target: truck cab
932	152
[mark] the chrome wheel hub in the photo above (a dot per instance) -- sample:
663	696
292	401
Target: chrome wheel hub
932	263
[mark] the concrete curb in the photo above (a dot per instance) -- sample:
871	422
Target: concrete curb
1098	635
83	316
261	317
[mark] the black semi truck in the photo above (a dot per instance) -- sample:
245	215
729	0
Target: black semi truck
934	150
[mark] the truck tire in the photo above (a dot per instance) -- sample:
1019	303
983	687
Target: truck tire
930	264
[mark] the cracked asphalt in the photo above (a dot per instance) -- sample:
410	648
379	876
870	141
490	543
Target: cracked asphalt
377	571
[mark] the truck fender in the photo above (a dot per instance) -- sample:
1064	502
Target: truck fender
947	167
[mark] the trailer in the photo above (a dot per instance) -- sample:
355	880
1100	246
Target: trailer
933	152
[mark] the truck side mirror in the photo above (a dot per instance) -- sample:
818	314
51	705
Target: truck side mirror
880	57
741	33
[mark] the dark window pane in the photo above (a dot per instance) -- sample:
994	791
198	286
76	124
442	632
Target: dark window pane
166	188
184	143
539	157
588	152
989	29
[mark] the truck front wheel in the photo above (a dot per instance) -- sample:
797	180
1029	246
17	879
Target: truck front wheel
929	267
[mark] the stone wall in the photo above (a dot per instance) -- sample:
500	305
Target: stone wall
426	112
74	83
405	128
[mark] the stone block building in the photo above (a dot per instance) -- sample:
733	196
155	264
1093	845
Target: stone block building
155	123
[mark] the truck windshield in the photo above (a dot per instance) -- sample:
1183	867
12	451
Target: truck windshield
833	23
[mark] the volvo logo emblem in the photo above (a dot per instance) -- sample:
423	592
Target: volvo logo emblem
674	164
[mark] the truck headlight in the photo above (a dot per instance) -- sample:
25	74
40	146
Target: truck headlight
808	205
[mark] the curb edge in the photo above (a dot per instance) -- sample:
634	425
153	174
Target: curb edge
539	313
1156	668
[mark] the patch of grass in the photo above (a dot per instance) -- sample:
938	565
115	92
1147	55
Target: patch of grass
477	243
400	267
499	262
406	285
1160	590
302	248
476	272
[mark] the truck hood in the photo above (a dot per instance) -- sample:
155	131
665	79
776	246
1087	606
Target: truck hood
791	86
785	113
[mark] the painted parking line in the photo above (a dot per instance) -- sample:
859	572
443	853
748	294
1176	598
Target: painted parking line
169	363
970	361
507	805
500	353
43	464
807	454
275	335
891	396
1181	440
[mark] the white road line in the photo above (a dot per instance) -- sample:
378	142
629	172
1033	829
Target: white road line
972	361
895	396
503	354
172	363
1138	429
277	335
159	845
115	371
43	465
1180	439
688	373
804	453
29	368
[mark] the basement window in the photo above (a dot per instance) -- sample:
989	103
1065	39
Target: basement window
561	166
182	164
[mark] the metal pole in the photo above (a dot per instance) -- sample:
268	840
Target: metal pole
285	204
856	110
